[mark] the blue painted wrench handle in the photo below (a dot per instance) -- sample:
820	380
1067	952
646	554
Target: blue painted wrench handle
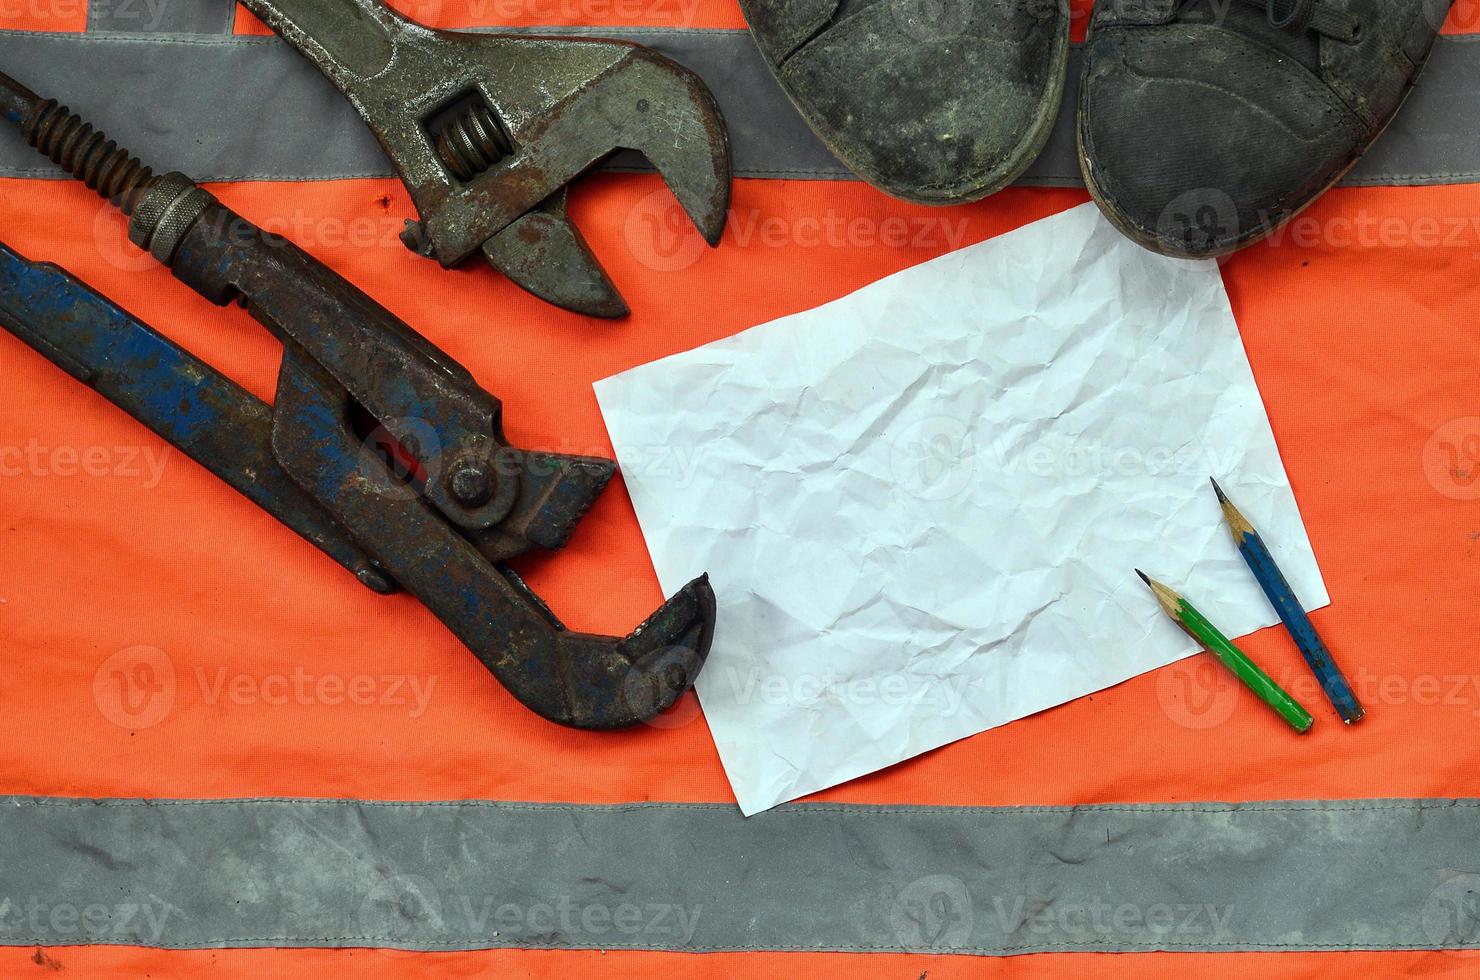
187	402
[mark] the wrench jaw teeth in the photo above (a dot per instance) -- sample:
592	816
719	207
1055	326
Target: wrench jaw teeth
668	651
556	494
610	684
683	623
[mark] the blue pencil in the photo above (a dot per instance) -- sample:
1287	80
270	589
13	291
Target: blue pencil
1292	613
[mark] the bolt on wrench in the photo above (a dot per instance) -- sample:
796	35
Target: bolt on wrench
488	130
469	500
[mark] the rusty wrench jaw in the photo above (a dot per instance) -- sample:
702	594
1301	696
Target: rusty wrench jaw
475	500
488	130
579	680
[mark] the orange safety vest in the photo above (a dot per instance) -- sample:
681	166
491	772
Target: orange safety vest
165	639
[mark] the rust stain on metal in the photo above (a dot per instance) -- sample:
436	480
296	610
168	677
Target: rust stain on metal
486	130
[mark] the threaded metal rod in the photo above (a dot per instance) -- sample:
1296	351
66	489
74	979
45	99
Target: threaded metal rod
84	152
472	143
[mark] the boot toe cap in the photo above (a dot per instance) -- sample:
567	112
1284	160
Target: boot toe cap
932	102
1197	142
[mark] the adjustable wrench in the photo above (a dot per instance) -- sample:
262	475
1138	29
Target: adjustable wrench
487	131
443	531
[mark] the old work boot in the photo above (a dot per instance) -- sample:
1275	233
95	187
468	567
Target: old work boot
933	101
1206	124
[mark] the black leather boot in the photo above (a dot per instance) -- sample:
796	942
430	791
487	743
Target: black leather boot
934	101
1206	124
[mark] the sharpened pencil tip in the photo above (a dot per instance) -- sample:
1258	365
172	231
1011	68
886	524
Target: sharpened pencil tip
1219	491
1144	577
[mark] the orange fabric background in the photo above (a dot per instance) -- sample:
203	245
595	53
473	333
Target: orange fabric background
1360	325
71	15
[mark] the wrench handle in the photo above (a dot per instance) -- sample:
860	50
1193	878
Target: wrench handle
182	399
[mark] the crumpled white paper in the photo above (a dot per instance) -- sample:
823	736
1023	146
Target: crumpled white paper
921	506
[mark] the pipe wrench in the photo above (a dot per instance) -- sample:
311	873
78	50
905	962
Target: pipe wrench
441	524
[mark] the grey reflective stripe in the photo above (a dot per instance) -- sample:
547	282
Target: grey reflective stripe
162	16
1330	875
244	108
251	108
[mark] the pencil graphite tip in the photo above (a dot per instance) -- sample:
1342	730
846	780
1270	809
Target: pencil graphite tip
1165	597
1238	524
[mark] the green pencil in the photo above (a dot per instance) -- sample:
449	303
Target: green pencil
1196	625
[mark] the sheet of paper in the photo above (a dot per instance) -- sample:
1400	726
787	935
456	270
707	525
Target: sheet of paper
921	505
